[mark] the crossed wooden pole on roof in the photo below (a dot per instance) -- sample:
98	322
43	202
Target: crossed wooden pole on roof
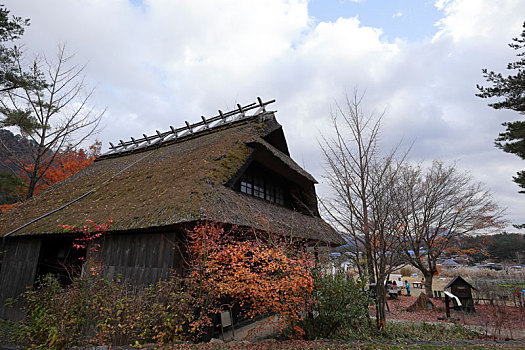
221	119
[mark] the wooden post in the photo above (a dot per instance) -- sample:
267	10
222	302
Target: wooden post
447	305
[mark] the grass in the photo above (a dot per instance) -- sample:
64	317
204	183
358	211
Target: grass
412	331
395	334
394	337
296	345
428	332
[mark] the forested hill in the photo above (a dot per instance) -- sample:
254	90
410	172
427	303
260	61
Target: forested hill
10	145
10	182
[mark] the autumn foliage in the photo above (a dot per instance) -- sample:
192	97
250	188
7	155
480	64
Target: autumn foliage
255	275
258	275
65	164
6	207
88	240
88	235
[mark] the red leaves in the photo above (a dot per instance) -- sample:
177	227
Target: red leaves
89	233
269	276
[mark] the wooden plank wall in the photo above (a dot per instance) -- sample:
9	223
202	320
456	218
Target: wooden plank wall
143	258
18	271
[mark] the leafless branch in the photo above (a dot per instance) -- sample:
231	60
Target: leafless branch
61	110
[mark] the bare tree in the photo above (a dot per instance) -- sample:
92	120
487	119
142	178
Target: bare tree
437	205
387	248
349	157
363	183
50	118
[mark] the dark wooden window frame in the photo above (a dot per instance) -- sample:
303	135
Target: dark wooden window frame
262	184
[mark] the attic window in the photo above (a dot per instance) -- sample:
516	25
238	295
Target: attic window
262	187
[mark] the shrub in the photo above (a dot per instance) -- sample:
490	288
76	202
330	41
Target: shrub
406	271
258	275
100	311
338	303
54	316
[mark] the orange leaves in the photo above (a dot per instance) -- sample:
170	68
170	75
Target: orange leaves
5	207
68	163
259	276
53	168
64	164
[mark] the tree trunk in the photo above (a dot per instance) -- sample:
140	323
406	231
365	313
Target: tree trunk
359	270
370	265
31	186
33	177
380	308
428	283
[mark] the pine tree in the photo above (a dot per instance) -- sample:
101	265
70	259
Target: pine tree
512	89
13	75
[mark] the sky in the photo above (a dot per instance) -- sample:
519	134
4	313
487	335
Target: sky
156	63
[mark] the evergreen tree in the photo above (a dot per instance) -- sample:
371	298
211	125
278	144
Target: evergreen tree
10	188
512	89
13	75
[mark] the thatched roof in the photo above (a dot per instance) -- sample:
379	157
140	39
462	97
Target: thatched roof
184	180
450	263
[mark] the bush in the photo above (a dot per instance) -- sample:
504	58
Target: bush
255	273
54	316
257	276
93	310
406	271
427	332
337	303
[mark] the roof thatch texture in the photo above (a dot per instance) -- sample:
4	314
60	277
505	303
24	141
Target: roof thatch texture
179	182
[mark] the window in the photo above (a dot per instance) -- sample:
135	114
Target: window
258	187
246	186
279	195
270	192
272	187
262	186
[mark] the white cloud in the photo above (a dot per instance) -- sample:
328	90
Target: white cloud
397	14
473	19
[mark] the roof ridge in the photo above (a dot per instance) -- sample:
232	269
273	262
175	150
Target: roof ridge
220	120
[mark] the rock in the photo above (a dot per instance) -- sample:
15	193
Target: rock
216	341
422	303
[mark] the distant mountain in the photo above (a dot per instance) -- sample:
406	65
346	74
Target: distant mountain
10	183
13	145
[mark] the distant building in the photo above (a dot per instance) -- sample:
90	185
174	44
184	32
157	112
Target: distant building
449	263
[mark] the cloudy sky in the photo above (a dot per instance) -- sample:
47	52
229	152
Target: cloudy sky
157	63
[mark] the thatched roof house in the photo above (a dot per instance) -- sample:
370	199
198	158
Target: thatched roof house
234	168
